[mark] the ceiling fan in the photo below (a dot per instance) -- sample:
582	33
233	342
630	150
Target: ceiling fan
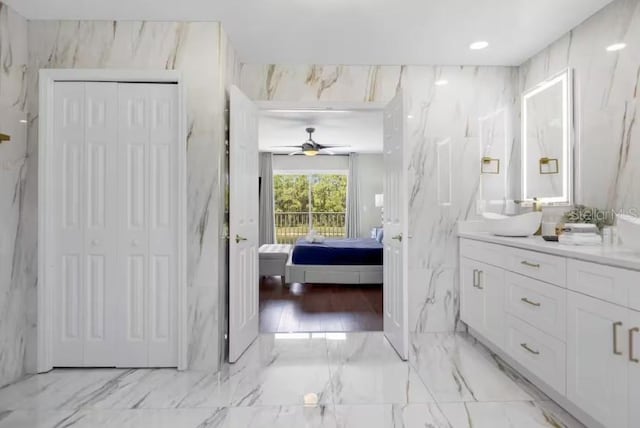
311	147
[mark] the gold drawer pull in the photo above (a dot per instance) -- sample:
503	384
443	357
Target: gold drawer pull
615	337
632	358
525	346
533	265
529	302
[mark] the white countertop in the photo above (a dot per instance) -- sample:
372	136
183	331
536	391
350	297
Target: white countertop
606	255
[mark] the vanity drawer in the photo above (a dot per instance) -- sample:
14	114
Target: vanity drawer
540	353
615	285
491	254
542	305
545	267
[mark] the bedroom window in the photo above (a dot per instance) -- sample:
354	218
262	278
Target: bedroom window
305	202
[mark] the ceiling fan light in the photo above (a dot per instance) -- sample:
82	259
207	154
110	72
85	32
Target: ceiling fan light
310	152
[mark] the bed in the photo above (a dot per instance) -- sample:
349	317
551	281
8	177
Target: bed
336	261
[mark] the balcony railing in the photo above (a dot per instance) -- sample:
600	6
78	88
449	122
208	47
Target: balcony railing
292	226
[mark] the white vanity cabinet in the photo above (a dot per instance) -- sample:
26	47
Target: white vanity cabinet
570	323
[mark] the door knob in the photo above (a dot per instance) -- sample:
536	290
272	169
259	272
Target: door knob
135	243
239	239
397	237
95	242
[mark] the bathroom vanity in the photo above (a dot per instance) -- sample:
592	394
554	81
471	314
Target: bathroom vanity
567	318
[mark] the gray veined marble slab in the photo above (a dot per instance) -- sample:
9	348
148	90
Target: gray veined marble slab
523	414
13	173
365	369
279	369
14	58
156	418
456	368
391	416
59	389
280	417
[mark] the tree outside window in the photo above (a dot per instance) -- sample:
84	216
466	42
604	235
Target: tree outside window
309	201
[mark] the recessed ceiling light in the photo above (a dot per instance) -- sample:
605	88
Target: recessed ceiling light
441	82
616	47
480	44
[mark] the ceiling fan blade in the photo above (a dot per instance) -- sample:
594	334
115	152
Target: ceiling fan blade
329	152
299	152
322	146
284	147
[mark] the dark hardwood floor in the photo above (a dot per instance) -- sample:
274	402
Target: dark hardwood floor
320	308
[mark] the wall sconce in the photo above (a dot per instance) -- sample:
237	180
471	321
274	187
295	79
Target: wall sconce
549	166
490	165
4	137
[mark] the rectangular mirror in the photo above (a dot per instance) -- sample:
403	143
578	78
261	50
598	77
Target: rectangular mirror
547	153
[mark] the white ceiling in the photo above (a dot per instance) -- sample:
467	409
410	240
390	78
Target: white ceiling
360	130
435	32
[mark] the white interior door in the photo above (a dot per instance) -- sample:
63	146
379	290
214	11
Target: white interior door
243	224
396	222
84	217
147	232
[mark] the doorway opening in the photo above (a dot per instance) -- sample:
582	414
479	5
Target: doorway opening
323	264
327	252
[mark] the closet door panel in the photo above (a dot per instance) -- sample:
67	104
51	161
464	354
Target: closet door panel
101	137
133	143
67	266
163	152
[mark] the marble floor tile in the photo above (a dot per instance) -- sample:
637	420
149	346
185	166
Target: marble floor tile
59	389
280	369
520	414
34	418
280	417
365	369
127	418
213	390
159	389
456	368
390	416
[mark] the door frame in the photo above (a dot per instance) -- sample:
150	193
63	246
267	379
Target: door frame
47	80
315	106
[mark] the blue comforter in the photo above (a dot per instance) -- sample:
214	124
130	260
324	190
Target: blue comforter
338	252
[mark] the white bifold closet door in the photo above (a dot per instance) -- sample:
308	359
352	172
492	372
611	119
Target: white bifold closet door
115	224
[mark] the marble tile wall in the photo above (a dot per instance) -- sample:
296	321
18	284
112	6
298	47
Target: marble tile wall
444	139
193	48
13	161
607	106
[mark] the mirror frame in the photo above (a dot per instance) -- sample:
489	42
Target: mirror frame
565	78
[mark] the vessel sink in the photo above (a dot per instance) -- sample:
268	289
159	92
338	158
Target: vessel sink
629	231
516	226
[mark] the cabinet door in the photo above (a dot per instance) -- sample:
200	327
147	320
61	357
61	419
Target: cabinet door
634	368
471	309
492	282
597	360
482	300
